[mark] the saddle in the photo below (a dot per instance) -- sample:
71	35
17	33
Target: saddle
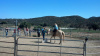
54	33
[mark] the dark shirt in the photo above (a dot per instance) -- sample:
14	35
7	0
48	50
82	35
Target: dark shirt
6	30
43	32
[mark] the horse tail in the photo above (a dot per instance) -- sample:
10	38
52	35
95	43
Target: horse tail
63	35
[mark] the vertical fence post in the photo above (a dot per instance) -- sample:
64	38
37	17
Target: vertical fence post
38	47
85	46
15	54
60	47
17	46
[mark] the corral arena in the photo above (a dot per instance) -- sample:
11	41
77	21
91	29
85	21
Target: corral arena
28	46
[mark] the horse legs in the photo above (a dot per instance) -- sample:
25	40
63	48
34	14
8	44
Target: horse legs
63	35
60	40
63	38
51	38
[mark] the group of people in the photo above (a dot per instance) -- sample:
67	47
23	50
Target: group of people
18	32
14	32
28	31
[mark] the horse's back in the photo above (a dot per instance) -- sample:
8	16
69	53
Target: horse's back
60	31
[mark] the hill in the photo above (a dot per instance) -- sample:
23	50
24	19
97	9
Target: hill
68	21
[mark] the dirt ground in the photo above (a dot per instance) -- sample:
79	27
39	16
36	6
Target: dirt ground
26	47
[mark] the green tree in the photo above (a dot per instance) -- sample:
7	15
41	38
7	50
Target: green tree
25	24
95	26
3	22
44	24
37	27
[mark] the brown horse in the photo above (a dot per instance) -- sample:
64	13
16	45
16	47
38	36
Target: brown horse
59	33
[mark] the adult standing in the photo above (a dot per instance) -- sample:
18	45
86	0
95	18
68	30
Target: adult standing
27	31
14	33
38	32
43	34
18	31
6	30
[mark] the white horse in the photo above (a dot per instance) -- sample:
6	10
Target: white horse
59	33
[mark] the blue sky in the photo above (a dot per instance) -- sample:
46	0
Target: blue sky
38	8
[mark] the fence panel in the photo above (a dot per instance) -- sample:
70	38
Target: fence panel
39	45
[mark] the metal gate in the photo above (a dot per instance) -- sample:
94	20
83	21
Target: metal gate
60	47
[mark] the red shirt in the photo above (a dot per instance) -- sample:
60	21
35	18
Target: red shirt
14	30
26	29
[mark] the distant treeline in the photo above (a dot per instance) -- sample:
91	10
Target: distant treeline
66	21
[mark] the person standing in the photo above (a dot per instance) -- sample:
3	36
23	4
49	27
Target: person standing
18	31
6	30
14	33
30	32
43	34
38	32
27	31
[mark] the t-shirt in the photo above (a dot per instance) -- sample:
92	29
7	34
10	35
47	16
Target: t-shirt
38	31
6	30
18	29
14	30
56	27
26	29
44	32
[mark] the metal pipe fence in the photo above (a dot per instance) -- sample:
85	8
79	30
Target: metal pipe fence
60	52
3	32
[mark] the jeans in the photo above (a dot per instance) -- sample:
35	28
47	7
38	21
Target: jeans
43	36
6	33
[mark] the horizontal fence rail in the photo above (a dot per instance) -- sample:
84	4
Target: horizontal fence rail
6	47
6	42
93	47
49	52
52	39
51	46
97	41
6	52
94	53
